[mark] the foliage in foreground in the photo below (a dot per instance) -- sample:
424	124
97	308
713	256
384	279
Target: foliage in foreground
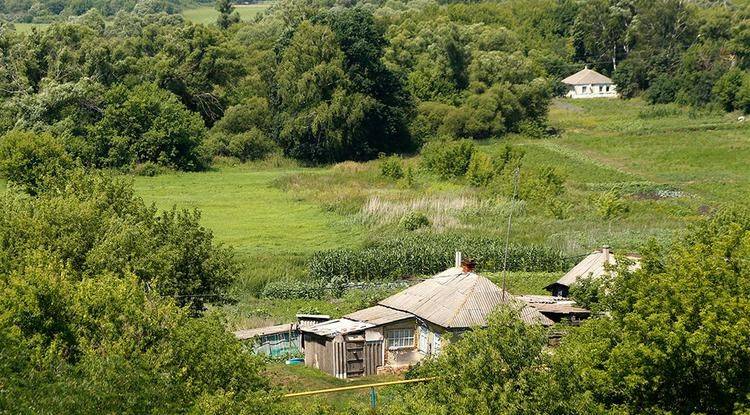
94	224
88	323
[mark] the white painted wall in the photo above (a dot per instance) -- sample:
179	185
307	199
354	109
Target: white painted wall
592	91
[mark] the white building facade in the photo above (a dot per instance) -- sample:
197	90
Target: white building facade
588	83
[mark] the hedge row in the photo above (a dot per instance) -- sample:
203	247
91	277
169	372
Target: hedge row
428	254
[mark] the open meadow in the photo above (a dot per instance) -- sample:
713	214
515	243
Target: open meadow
208	14
670	164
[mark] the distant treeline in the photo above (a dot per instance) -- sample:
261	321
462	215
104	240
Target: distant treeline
323	82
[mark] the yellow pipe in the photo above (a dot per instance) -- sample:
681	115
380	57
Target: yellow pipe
347	388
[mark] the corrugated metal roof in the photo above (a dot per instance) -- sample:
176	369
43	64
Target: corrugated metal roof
263	331
595	266
456	299
378	315
586	76
333	328
555	305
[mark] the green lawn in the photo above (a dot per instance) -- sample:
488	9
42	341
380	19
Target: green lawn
208	14
271	231
27	27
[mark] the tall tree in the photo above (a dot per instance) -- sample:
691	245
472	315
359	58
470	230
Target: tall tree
227	15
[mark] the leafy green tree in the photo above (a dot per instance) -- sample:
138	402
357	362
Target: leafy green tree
27	158
227	15
95	225
148	124
479	371
599	32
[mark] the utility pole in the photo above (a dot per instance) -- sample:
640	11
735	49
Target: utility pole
516	176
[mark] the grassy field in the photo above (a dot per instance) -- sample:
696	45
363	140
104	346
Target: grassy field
27	27
271	231
208	14
276	217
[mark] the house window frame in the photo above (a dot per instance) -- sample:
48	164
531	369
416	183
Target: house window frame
402	338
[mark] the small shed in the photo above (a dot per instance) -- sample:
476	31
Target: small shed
588	83
595	265
274	341
344	348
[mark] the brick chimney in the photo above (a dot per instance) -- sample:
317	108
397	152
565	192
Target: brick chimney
468	265
606	251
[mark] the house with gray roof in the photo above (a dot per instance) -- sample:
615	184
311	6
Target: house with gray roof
588	83
404	328
597	264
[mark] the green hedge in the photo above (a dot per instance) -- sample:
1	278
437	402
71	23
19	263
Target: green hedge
428	254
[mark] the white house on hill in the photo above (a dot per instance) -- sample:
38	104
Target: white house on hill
588	83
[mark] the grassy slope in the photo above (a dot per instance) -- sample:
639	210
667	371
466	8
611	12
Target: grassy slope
275	218
208	14
271	232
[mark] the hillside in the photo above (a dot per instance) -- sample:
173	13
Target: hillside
673	165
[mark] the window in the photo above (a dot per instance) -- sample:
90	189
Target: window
607	88
584	89
601	88
436	344
400	338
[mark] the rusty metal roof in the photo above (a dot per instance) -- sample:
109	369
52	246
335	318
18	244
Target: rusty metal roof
264	331
333	328
378	315
456	299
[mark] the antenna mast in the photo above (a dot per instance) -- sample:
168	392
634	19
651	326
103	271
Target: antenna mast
516	175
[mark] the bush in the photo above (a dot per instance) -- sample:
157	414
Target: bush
610	204
481	170
251	145
414	220
390	167
428	253
26	158
663	90
447	159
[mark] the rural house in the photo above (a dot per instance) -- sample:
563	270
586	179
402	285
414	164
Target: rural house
595	265
588	83
404	328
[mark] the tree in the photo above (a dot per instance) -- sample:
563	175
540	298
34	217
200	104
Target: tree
227	15
27	159
148	124
479	371
95	225
599	32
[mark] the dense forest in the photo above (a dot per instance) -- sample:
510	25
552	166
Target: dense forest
324	82
104	298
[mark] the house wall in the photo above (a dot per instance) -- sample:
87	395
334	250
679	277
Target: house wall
401	356
592	91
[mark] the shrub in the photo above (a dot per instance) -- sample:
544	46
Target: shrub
26	158
148	169
414	220
251	145
610	204
390	167
726	88
481	170
663	90
447	159
428	253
